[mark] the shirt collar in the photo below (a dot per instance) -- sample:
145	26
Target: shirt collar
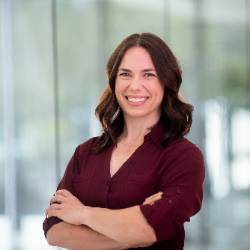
157	133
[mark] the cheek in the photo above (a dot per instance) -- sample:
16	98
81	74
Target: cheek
120	88
116	89
118	94
159	92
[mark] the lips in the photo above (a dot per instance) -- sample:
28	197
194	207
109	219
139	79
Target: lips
132	99
136	100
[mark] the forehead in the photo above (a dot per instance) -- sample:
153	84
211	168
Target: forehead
136	58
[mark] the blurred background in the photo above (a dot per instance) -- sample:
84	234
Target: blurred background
52	72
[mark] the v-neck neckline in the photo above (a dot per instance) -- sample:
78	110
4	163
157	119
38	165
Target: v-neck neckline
124	165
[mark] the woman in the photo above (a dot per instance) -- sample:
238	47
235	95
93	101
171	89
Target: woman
138	182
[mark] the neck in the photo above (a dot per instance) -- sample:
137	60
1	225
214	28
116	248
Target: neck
136	128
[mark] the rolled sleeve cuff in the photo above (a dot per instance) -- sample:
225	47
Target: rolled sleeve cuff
48	223
163	228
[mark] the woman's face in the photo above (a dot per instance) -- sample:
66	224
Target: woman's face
138	89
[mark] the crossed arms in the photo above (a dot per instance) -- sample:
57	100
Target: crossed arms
96	228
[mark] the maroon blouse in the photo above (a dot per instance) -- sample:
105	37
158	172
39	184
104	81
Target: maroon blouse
177	170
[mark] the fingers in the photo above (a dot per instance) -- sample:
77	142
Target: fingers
55	206
153	198
64	192
53	210
57	198
151	201
157	194
60	196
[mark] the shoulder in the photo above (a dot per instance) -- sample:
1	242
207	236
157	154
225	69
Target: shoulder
181	155
85	146
181	146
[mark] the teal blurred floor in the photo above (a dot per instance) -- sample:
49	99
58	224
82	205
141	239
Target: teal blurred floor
222	225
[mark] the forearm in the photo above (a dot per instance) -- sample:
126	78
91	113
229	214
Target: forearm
127	227
123	225
80	237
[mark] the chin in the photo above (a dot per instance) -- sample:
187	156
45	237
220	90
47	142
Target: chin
138	114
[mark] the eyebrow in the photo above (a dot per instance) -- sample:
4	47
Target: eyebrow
128	70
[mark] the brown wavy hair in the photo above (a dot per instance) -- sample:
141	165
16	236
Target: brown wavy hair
176	115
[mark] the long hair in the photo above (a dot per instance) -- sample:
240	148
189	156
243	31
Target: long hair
176	115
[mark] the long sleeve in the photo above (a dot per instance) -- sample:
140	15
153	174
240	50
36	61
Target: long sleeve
181	182
65	183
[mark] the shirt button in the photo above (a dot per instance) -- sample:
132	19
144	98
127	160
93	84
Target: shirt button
170	201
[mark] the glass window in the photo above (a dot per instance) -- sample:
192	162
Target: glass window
52	72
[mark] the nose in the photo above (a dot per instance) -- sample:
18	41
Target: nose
136	83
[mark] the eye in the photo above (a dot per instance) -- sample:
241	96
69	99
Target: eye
149	75
124	75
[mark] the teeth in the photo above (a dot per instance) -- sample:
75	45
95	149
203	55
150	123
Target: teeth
136	99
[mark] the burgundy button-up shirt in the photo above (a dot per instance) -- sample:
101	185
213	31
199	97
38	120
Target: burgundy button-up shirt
177	170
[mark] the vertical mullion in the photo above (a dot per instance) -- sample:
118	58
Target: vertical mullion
247	37
9	143
56	88
167	20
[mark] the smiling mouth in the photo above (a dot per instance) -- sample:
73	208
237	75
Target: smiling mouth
136	100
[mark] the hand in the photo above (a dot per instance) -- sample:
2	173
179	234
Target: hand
67	207
153	198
